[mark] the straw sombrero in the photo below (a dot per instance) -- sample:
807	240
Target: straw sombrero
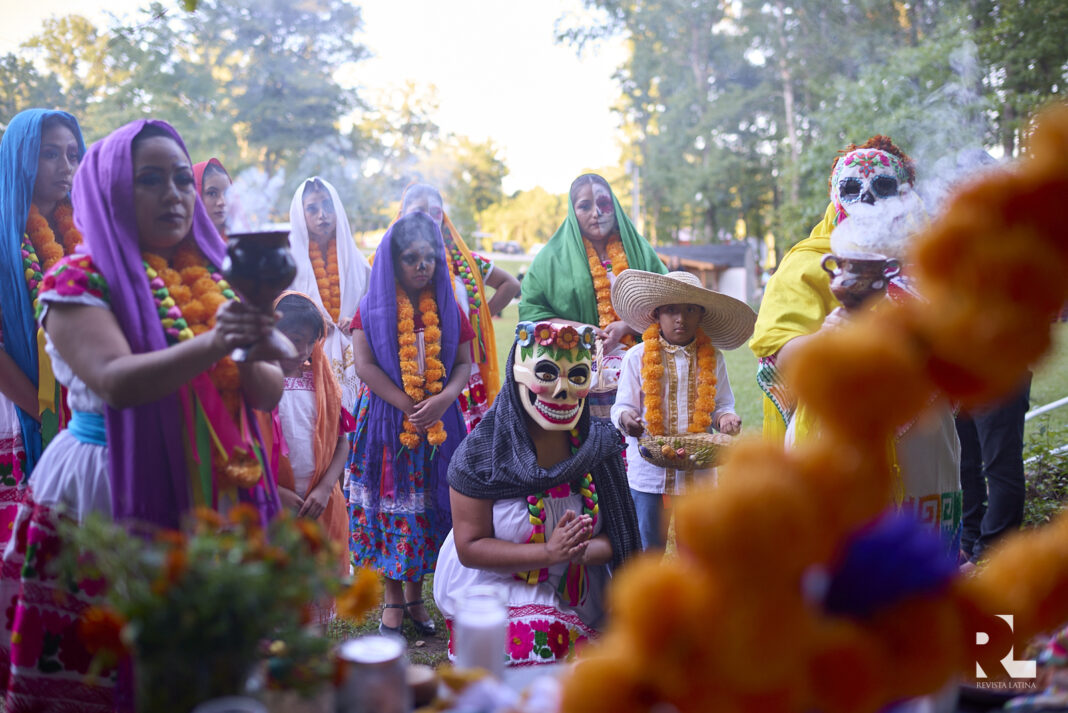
636	294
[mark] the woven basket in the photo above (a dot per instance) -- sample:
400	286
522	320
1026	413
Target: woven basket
705	447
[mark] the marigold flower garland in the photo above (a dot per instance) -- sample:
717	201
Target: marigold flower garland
652	378
187	297
602	286
41	250
327	277
417	384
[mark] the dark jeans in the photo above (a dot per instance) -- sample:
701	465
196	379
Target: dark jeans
991	471
652	518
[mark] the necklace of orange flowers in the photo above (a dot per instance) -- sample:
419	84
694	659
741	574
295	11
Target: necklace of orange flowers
327	277
40	249
653	375
188	291
416	384
602	286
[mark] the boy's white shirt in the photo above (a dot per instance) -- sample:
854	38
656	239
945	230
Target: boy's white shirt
643	475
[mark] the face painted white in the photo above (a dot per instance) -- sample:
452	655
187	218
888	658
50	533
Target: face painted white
864	177
553	382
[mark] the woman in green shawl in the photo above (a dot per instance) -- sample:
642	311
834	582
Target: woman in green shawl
571	278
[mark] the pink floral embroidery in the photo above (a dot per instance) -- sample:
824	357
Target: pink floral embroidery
520	640
562	490
71	282
559	639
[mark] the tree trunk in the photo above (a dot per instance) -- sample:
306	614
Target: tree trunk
786	77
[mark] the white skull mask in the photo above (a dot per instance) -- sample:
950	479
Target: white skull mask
865	176
552	371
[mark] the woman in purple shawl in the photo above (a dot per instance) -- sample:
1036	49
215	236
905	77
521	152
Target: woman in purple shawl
407	339
142	390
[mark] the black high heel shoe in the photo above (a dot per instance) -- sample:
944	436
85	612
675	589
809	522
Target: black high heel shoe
426	628
391	630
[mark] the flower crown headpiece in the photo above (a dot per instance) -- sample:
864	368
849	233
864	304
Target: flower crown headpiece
563	337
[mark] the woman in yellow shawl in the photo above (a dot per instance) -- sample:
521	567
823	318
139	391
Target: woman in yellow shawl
471	274
798	303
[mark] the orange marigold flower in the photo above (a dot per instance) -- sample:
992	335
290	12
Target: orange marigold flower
155	262
174	538
361	596
275	555
208	517
244	515
51	251
203	286
175	565
35	222
170	277
180	293
194	312
436	435
187	257
212	302
311	532
192	273
100	630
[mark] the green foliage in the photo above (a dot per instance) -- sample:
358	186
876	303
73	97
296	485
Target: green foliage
736	110
475	183
22	86
1047	475
210	595
527	217
275	63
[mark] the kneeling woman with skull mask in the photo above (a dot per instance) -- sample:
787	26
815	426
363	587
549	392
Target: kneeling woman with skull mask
539	500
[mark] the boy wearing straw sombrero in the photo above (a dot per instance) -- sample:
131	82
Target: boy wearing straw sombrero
675	381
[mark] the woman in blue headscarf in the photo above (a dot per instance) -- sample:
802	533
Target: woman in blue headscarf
38	156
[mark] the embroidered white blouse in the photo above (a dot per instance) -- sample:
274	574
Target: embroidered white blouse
679	392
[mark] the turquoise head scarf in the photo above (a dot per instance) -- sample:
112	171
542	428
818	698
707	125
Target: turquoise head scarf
19	151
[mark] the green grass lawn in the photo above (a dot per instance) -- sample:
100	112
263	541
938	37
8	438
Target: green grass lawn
1049	384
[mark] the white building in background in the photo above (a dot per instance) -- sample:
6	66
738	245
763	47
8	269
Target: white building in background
729	268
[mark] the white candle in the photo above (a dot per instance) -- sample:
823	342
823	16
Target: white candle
481	630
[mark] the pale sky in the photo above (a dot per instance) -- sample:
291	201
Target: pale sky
497	71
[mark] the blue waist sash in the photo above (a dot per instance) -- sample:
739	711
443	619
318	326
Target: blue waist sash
88	428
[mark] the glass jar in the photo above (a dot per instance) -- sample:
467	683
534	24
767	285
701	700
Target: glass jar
373	676
480	629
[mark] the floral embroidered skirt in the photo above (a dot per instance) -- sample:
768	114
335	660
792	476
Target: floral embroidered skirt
399	537
43	663
541	628
12	462
474	400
